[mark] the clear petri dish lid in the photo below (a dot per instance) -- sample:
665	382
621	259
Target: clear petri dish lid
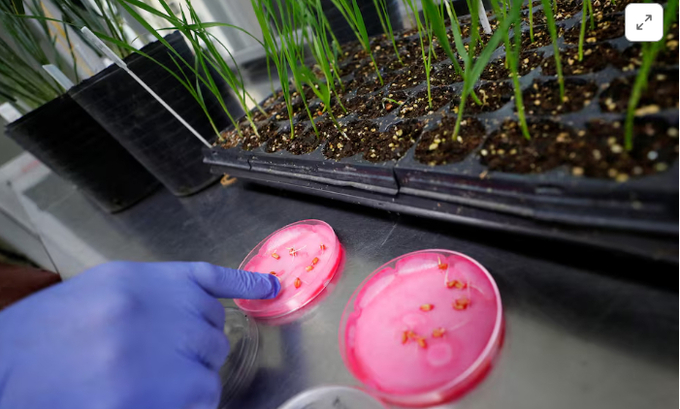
333	397
239	368
304	256
423	328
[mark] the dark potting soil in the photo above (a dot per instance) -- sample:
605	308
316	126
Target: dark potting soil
371	107
661	92
496	70
272	104
393	143
467	28
587	152
480	44
534	5
438	53
420	105
445	75
541	37
607	27
250	140
349	67
282	113
307	141
350	140
384	53
609	6
667	57
408	55
282	139
368	68
373	83
438	146
493	96
507	149
599	150
595	58
543	98
409	78
565	10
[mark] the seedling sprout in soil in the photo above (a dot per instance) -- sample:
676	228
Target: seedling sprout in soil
513	52
352	13
386	23
425	36
303	31
552	28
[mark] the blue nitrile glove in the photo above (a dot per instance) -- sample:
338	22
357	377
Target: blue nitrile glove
123	335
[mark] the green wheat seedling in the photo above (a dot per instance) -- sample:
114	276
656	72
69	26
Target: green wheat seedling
293	35
352	13
99	16
272	50
531	20
439	30
23	49
649	52
322	53
385	22
425	33
586	10
552	28
468	82
439	27
331	46
192	87
515	53
513	49
19	81
208	57
474	68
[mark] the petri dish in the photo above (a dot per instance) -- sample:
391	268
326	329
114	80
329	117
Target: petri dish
304	256
239	368
333	397
423	329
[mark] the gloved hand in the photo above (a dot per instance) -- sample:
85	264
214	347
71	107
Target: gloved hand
123	335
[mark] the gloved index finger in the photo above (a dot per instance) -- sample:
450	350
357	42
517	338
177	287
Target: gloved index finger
223	282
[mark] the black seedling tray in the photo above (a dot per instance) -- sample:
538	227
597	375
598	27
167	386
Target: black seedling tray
649	246
638	216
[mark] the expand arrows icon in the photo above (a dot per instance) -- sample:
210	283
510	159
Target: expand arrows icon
639	26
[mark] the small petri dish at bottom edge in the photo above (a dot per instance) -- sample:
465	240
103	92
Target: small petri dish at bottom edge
333	397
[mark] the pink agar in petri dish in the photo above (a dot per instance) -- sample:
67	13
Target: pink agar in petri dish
423	329
304	256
